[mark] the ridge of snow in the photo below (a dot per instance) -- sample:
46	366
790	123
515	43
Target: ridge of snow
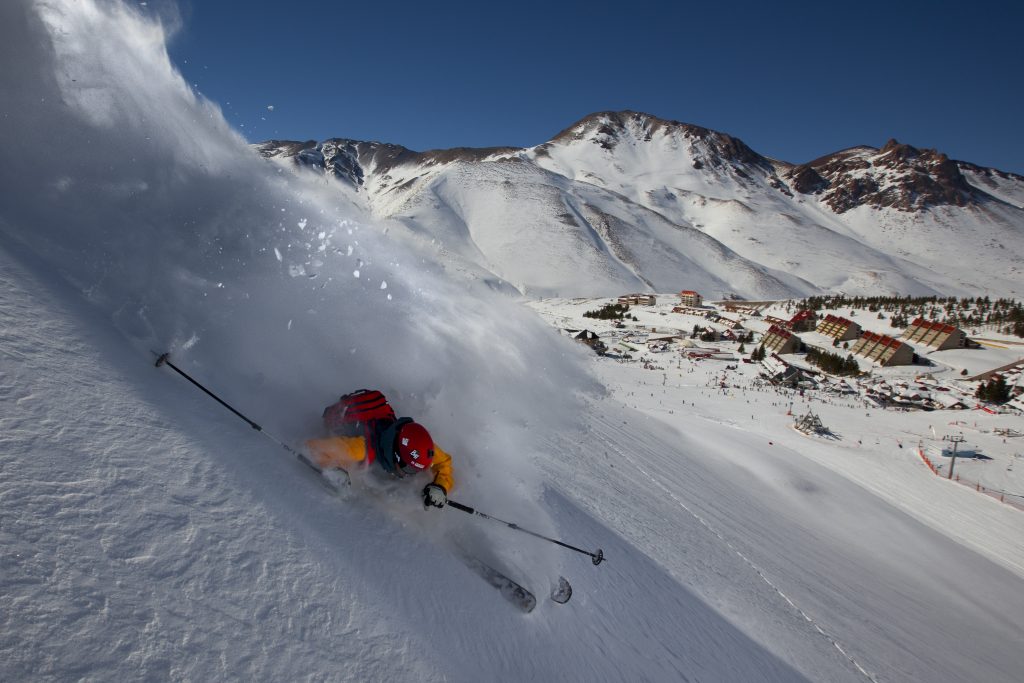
694	178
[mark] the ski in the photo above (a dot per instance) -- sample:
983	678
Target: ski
521	598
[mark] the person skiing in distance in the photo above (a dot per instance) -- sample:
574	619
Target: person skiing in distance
364	429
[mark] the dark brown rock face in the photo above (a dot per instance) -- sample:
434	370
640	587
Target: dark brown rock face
898	176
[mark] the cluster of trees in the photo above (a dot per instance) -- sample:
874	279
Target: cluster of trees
610	312
872	303
899	320
833	363
758	353
994	391
1004	315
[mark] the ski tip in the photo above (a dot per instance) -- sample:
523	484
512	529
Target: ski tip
524	600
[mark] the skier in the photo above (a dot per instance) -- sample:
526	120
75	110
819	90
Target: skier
365	430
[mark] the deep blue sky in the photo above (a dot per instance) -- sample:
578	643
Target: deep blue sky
794	80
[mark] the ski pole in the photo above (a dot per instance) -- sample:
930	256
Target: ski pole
164	359
596	558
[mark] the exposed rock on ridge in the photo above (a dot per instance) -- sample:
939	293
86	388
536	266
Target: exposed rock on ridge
898	176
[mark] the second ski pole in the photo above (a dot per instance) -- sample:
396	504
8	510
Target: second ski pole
164	359
596	558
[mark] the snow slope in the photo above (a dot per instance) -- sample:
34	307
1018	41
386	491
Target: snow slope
694	176
150	534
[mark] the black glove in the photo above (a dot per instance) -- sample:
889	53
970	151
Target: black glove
434	495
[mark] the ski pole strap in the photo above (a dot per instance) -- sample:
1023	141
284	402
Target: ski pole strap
596	558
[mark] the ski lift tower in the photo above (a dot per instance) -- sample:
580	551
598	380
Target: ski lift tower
810	424
956	440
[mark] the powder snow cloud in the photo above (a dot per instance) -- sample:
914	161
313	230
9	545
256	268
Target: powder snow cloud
107	153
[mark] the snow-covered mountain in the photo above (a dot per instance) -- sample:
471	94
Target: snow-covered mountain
624	200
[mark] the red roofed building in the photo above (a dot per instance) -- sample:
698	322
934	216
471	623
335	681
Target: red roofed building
804	321
688	297
838	328
883	350
780	340
935	335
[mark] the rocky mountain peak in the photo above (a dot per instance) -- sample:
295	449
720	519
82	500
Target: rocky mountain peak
898	176
353	160
703	147
609	128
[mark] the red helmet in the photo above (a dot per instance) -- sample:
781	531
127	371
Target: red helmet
414	449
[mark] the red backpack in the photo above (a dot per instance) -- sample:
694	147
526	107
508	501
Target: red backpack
359	413
366	413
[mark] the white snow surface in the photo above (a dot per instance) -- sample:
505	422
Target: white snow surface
149	534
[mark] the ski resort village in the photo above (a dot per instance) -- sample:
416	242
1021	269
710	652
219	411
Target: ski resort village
866	374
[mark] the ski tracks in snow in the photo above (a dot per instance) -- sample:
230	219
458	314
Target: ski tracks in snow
746	560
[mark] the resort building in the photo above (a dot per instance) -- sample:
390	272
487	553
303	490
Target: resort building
883	350
780	340
935	335
688	297
838	328
638	300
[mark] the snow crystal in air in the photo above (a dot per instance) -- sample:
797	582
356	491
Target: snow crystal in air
384	284
355	273
277	253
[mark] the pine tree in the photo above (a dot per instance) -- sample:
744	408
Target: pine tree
999	392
